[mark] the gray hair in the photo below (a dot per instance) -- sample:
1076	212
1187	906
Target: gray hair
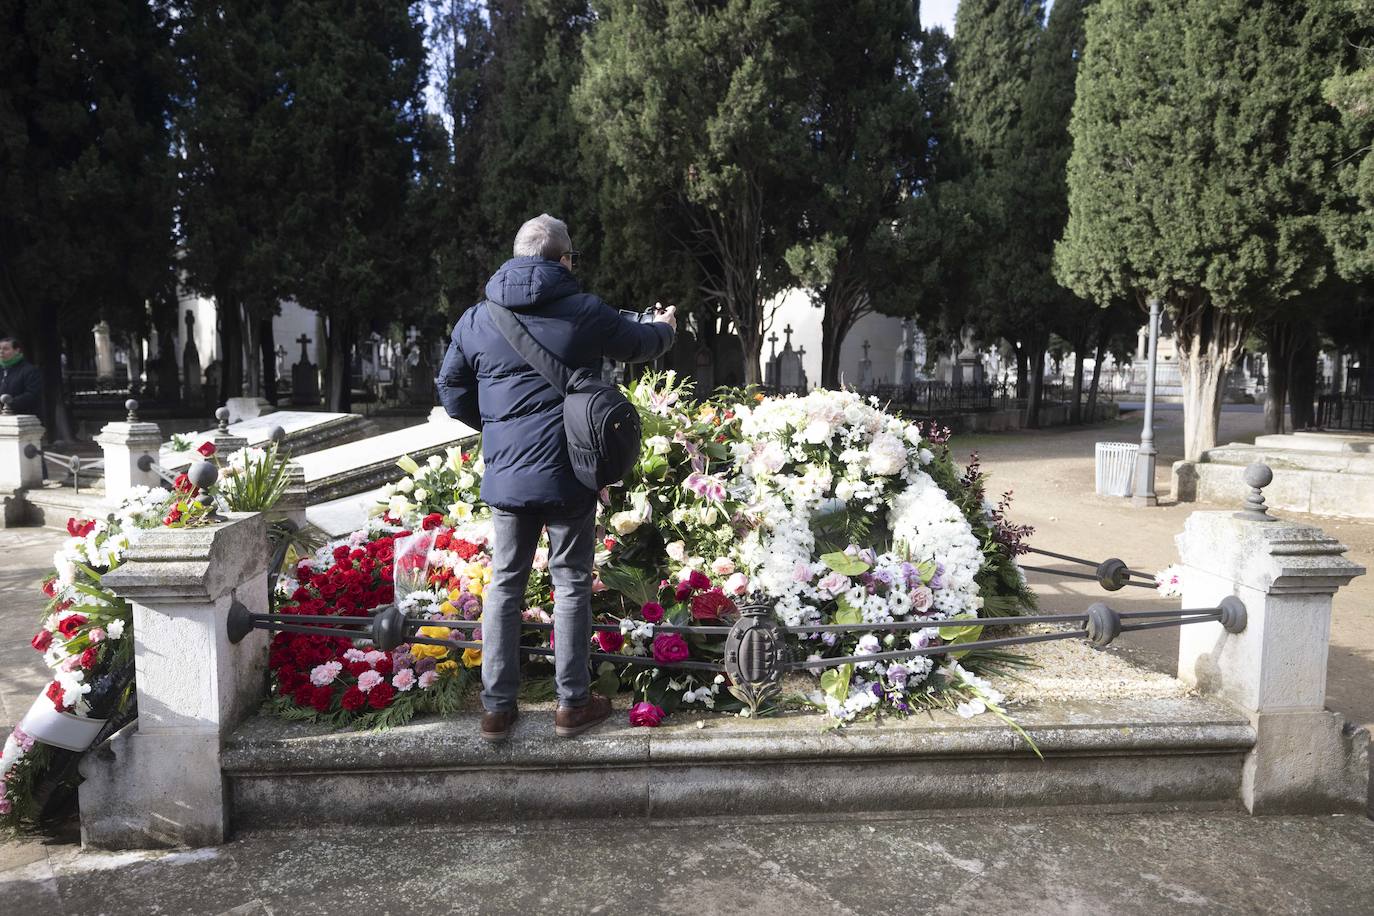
543	237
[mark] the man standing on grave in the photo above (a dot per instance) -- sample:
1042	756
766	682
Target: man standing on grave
529	481
20	378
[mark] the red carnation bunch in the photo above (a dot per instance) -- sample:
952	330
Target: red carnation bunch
79	528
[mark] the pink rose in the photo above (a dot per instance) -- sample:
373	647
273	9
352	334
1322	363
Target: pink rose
737	584
801	572
367	680
722	566
834	584
669	648
403	680
598	585
921	598
652	612
609	640
646	714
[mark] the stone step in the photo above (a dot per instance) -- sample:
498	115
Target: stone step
1345	443
1325	461
356	467
51	505
1132	752
1336	494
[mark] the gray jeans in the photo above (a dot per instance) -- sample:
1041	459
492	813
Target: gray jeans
572	548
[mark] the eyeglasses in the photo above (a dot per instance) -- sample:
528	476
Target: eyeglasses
572	255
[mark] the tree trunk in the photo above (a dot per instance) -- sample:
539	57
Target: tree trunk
1208	340
1037	384
1100	353
1278	346
267	348
338	392
1302	384
229	319
751	345
831	339
45	348
252	377
1076	408
1022	372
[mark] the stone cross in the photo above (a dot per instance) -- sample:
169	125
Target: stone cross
773	339
304	341
865	349
788	331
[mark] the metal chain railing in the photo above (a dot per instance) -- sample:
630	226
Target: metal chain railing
755	657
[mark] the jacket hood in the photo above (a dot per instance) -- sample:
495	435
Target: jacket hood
524	283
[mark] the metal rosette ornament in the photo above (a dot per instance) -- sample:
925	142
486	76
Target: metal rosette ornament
755	655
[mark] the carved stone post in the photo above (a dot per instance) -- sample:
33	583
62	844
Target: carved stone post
131	446
21	462
158	782
1306	759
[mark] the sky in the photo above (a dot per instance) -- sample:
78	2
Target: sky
938	12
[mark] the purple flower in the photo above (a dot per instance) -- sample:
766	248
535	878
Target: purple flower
877	690
897	674
426	664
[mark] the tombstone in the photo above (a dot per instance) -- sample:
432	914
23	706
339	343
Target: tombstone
305	379
866	380
213	372
420	376
104	350
791	374
191	390
911	354
281	361
969	369
770	369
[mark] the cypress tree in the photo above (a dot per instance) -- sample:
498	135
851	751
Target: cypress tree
356	244
87	185
1351	91
699	109
234	176
1201	175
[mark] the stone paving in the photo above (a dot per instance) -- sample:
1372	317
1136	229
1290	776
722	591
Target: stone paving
1221	863
1212	862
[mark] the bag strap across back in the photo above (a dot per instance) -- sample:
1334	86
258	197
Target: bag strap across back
554	370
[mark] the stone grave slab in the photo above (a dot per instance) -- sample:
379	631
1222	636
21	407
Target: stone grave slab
306	431
356	467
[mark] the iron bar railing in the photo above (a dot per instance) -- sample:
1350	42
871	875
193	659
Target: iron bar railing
755	658
1112	573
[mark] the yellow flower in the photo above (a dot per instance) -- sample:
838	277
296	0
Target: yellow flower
455	594
472	658
477	587
435	632
447	609
425	651
447	667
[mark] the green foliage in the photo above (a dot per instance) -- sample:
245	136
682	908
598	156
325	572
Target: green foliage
1351	226
843	563
87	182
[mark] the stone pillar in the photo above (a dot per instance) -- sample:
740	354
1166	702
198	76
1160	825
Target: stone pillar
1306	759
104	350
130	449
294	500
158	783
21	463
226	443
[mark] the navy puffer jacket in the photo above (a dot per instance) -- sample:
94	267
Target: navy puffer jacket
488	386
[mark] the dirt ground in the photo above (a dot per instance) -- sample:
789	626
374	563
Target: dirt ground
1051	475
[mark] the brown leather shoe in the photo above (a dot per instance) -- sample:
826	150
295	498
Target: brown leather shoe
571	721
496	725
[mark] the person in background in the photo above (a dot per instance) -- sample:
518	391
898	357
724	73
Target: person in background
20	378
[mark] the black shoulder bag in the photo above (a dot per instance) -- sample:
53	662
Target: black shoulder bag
602	425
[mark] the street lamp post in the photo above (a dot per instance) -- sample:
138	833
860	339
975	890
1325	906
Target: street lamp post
1143	493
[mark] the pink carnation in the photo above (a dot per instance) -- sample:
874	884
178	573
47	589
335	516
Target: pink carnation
96	634
323	675
427	679
368	679
403	680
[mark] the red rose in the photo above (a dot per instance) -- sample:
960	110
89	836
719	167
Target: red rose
609	543
89	656
431	521
646	714
206	449
385	554
610	640
652	612
79	528
353	698
698	580
41	640
182	484
54	693
341	553
683	590
387	573
669	648
70	625
322	698
710	605
50	587
380	696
